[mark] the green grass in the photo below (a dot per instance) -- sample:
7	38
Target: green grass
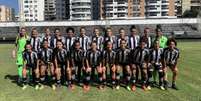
189	82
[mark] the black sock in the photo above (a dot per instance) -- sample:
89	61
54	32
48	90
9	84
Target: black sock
37	81
100	78
118	78
161	75
42	79
59	82
24	80
128	78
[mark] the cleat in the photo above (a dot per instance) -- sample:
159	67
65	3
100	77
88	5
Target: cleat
37	87
148	87
128	88
174	87
162	88
100	87
144	88
53	87
133	88
24	87
117	87
41	87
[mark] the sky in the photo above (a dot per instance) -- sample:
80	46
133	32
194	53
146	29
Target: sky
10	3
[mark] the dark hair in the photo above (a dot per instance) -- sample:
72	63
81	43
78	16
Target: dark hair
121	29
132	27
108	28
70	29
82	28
45	41
33	30
56	30
92	43
158	29
171	40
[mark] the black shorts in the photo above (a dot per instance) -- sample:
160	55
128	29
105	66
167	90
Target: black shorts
157	66
61	65
123	64
32	66
171	65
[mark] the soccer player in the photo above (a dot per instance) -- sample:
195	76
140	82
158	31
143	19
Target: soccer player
76	60
35	40
98	39
61	63
162	39
122	36
18	51
45	56
109	37
84	39
133	40
155	64
93	60
47	36
122	62
108	61
57	37
146	38
30	62
139	59
70	39
170	59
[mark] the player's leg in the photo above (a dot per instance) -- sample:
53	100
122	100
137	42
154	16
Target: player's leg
24	77
93	75
69	76
37	77
79	72
58	76
128	76
19	63
43	68
150	70
118	70
133	78
161	76
73	72
52	75
174	76
113	75
104	75
143	68
100	76
87	78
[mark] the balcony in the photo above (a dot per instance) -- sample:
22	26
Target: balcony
79	1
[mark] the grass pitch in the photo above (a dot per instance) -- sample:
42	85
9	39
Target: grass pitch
189	83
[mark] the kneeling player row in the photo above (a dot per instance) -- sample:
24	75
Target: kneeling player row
68	66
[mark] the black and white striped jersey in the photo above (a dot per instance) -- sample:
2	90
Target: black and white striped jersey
139	55
93	57
69	43
55	39
61	56
133	41
76	56
46	55
170	57
84	42
147	40
99	41
35	43
48	38
119	40
122	56
30	58
156	56
108	57
112	39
